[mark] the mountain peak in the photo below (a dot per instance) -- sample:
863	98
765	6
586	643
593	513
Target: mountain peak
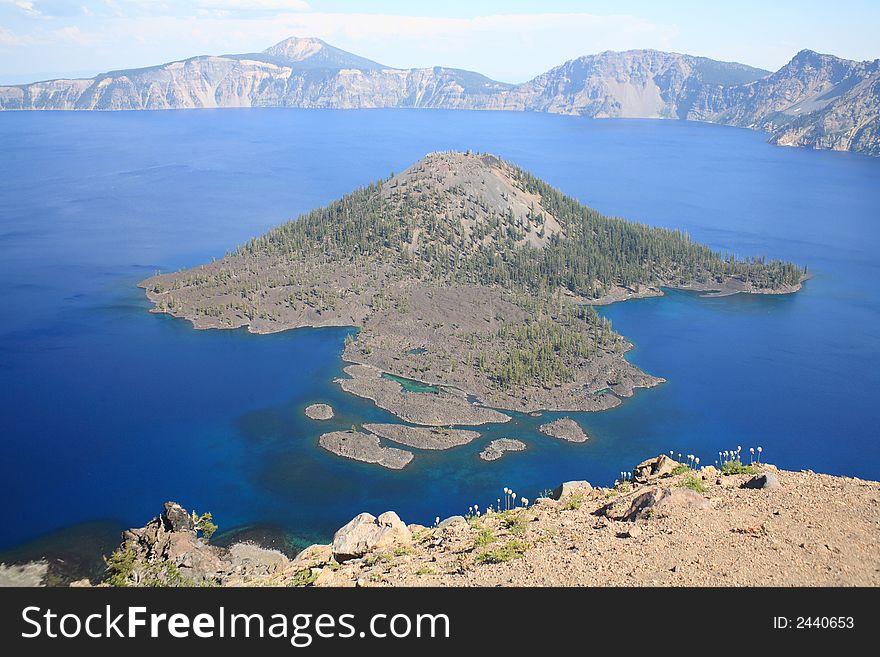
310	52
465	189
807	57
296	49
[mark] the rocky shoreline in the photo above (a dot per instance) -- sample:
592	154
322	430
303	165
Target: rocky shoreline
748	525
726	288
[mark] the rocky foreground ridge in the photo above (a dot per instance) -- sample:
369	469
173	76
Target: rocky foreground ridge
665	525
815	101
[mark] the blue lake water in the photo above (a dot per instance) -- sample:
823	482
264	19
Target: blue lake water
107	411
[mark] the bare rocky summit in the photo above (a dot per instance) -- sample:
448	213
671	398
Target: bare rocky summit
694	528
815	101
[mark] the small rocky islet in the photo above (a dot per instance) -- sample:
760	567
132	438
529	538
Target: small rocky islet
498	447
319	412
366	448
564	429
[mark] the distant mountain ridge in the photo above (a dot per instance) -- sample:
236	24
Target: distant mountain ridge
815	101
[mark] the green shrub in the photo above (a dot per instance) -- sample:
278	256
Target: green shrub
573	502
377	557
304	577
168	575
204	524
511	550
120	565
736	467
693	482
484	537
515	524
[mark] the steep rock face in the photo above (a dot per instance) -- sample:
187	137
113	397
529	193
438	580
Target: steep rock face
849	123
631	84
809	82
168	551
305	73
816	101
207	82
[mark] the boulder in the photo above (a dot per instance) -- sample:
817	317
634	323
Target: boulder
664	500
329	577
452	520
248	557
365	532
709	472
313	556
570	488
660	466
176	519
766	481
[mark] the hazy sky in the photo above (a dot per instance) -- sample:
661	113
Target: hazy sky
509	40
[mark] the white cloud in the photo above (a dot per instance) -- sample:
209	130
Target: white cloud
233	7
25	6
10	38
510	47
276	5
70	35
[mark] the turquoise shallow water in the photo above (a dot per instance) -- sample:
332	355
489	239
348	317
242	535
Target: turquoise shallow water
410	385
108	410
